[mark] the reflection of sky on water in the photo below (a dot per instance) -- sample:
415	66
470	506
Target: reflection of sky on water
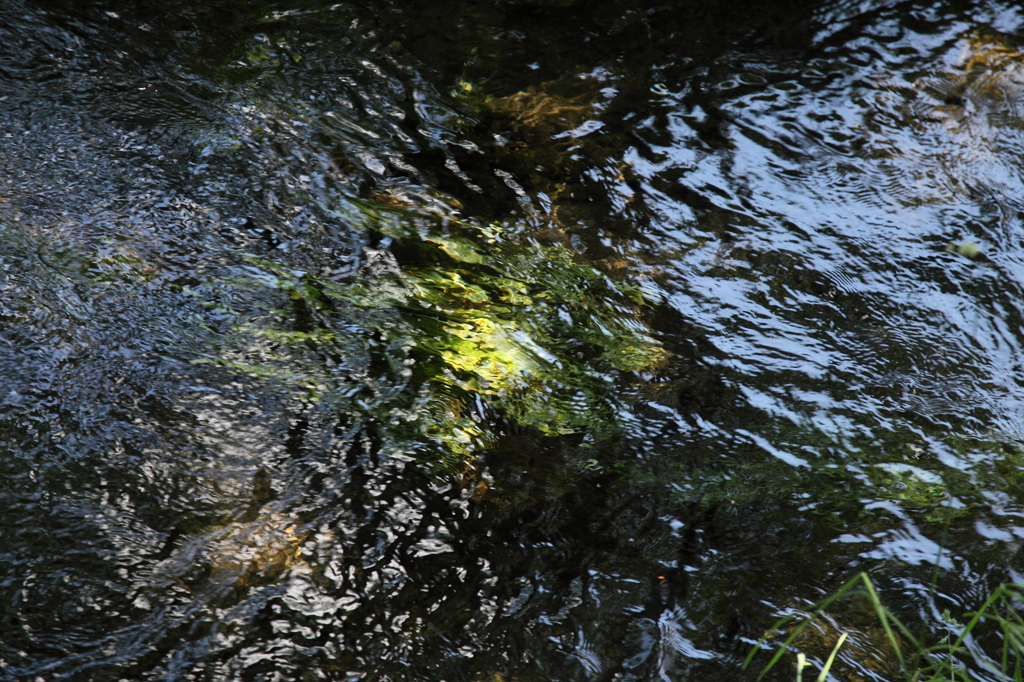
846	180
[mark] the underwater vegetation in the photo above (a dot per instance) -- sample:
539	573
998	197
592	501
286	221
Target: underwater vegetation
470	319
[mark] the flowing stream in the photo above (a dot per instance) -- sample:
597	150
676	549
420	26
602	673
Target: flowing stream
504	340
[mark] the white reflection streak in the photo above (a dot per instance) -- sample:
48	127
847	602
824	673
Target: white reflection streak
585	654
908	545
672	642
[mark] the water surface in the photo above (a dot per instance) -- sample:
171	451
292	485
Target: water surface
502	341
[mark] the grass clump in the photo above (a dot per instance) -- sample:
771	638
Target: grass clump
963	654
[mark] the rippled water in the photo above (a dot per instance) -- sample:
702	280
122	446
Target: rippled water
754	276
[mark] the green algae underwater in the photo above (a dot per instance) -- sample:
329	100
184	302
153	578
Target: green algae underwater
524	327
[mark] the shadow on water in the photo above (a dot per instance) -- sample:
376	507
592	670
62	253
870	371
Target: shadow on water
520	340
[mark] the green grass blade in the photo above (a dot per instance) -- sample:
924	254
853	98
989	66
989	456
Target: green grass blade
850	584
884	616
831	658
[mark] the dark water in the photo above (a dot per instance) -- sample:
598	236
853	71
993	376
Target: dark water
234	446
